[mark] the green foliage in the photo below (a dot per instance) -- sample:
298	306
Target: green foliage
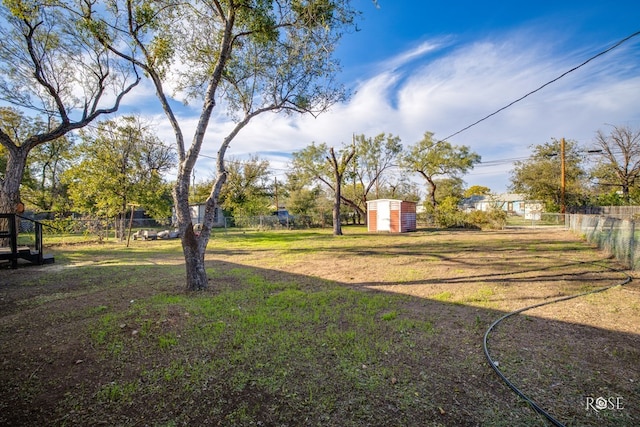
52	64
438	159
144	14
17	127
247	191
161	51
97	29
389	315
167	341
200	192
314	13
449	187
117	392
538	177
22	9
303	201
46	165
477	190
40	188
119	164
259	21
494	219
446	213
374	157
310	164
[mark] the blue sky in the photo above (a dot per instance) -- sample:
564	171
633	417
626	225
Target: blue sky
440	66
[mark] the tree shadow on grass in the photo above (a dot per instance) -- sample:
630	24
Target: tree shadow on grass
124	345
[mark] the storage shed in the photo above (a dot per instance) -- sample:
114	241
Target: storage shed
394	216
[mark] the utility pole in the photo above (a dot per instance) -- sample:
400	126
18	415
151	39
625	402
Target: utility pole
563	206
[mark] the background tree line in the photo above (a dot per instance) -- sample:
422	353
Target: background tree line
103	170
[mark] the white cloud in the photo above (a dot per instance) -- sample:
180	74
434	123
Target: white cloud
442	88
412	54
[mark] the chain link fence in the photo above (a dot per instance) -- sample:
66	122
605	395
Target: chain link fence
99	229
614	235
273	222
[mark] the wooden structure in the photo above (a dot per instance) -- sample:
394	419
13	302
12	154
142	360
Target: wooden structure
12	252
394	216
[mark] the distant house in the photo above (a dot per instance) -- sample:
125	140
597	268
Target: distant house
512	203
197	215
394	216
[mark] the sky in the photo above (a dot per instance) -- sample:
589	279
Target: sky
431	66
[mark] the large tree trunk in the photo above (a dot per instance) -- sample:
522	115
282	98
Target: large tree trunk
10	186
191	244
337	225
194	246
10	190
338	172
337	177
194	261
432	192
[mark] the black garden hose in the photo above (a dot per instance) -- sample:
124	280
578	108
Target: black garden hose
493	364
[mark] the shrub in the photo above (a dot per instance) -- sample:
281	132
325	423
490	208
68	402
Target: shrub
494	219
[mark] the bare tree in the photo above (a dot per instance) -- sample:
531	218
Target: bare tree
53	69
338	168
374	157
318	162
620	157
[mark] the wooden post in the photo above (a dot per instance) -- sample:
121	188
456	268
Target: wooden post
133	205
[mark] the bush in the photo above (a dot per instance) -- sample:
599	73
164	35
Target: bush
494	219
447	214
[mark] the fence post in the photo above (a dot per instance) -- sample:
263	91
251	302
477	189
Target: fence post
632	245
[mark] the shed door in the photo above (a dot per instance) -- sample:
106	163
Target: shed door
384	216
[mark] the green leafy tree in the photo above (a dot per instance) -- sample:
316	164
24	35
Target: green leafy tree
305	199
618	166
49	66
401	187
14	122
477	190
121	163
247	191
246	57
539	177
200	192
46	164
438	159
449	193
450	187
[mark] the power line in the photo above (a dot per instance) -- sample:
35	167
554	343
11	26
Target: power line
545	85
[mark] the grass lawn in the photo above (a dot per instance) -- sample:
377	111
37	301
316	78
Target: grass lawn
300	328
